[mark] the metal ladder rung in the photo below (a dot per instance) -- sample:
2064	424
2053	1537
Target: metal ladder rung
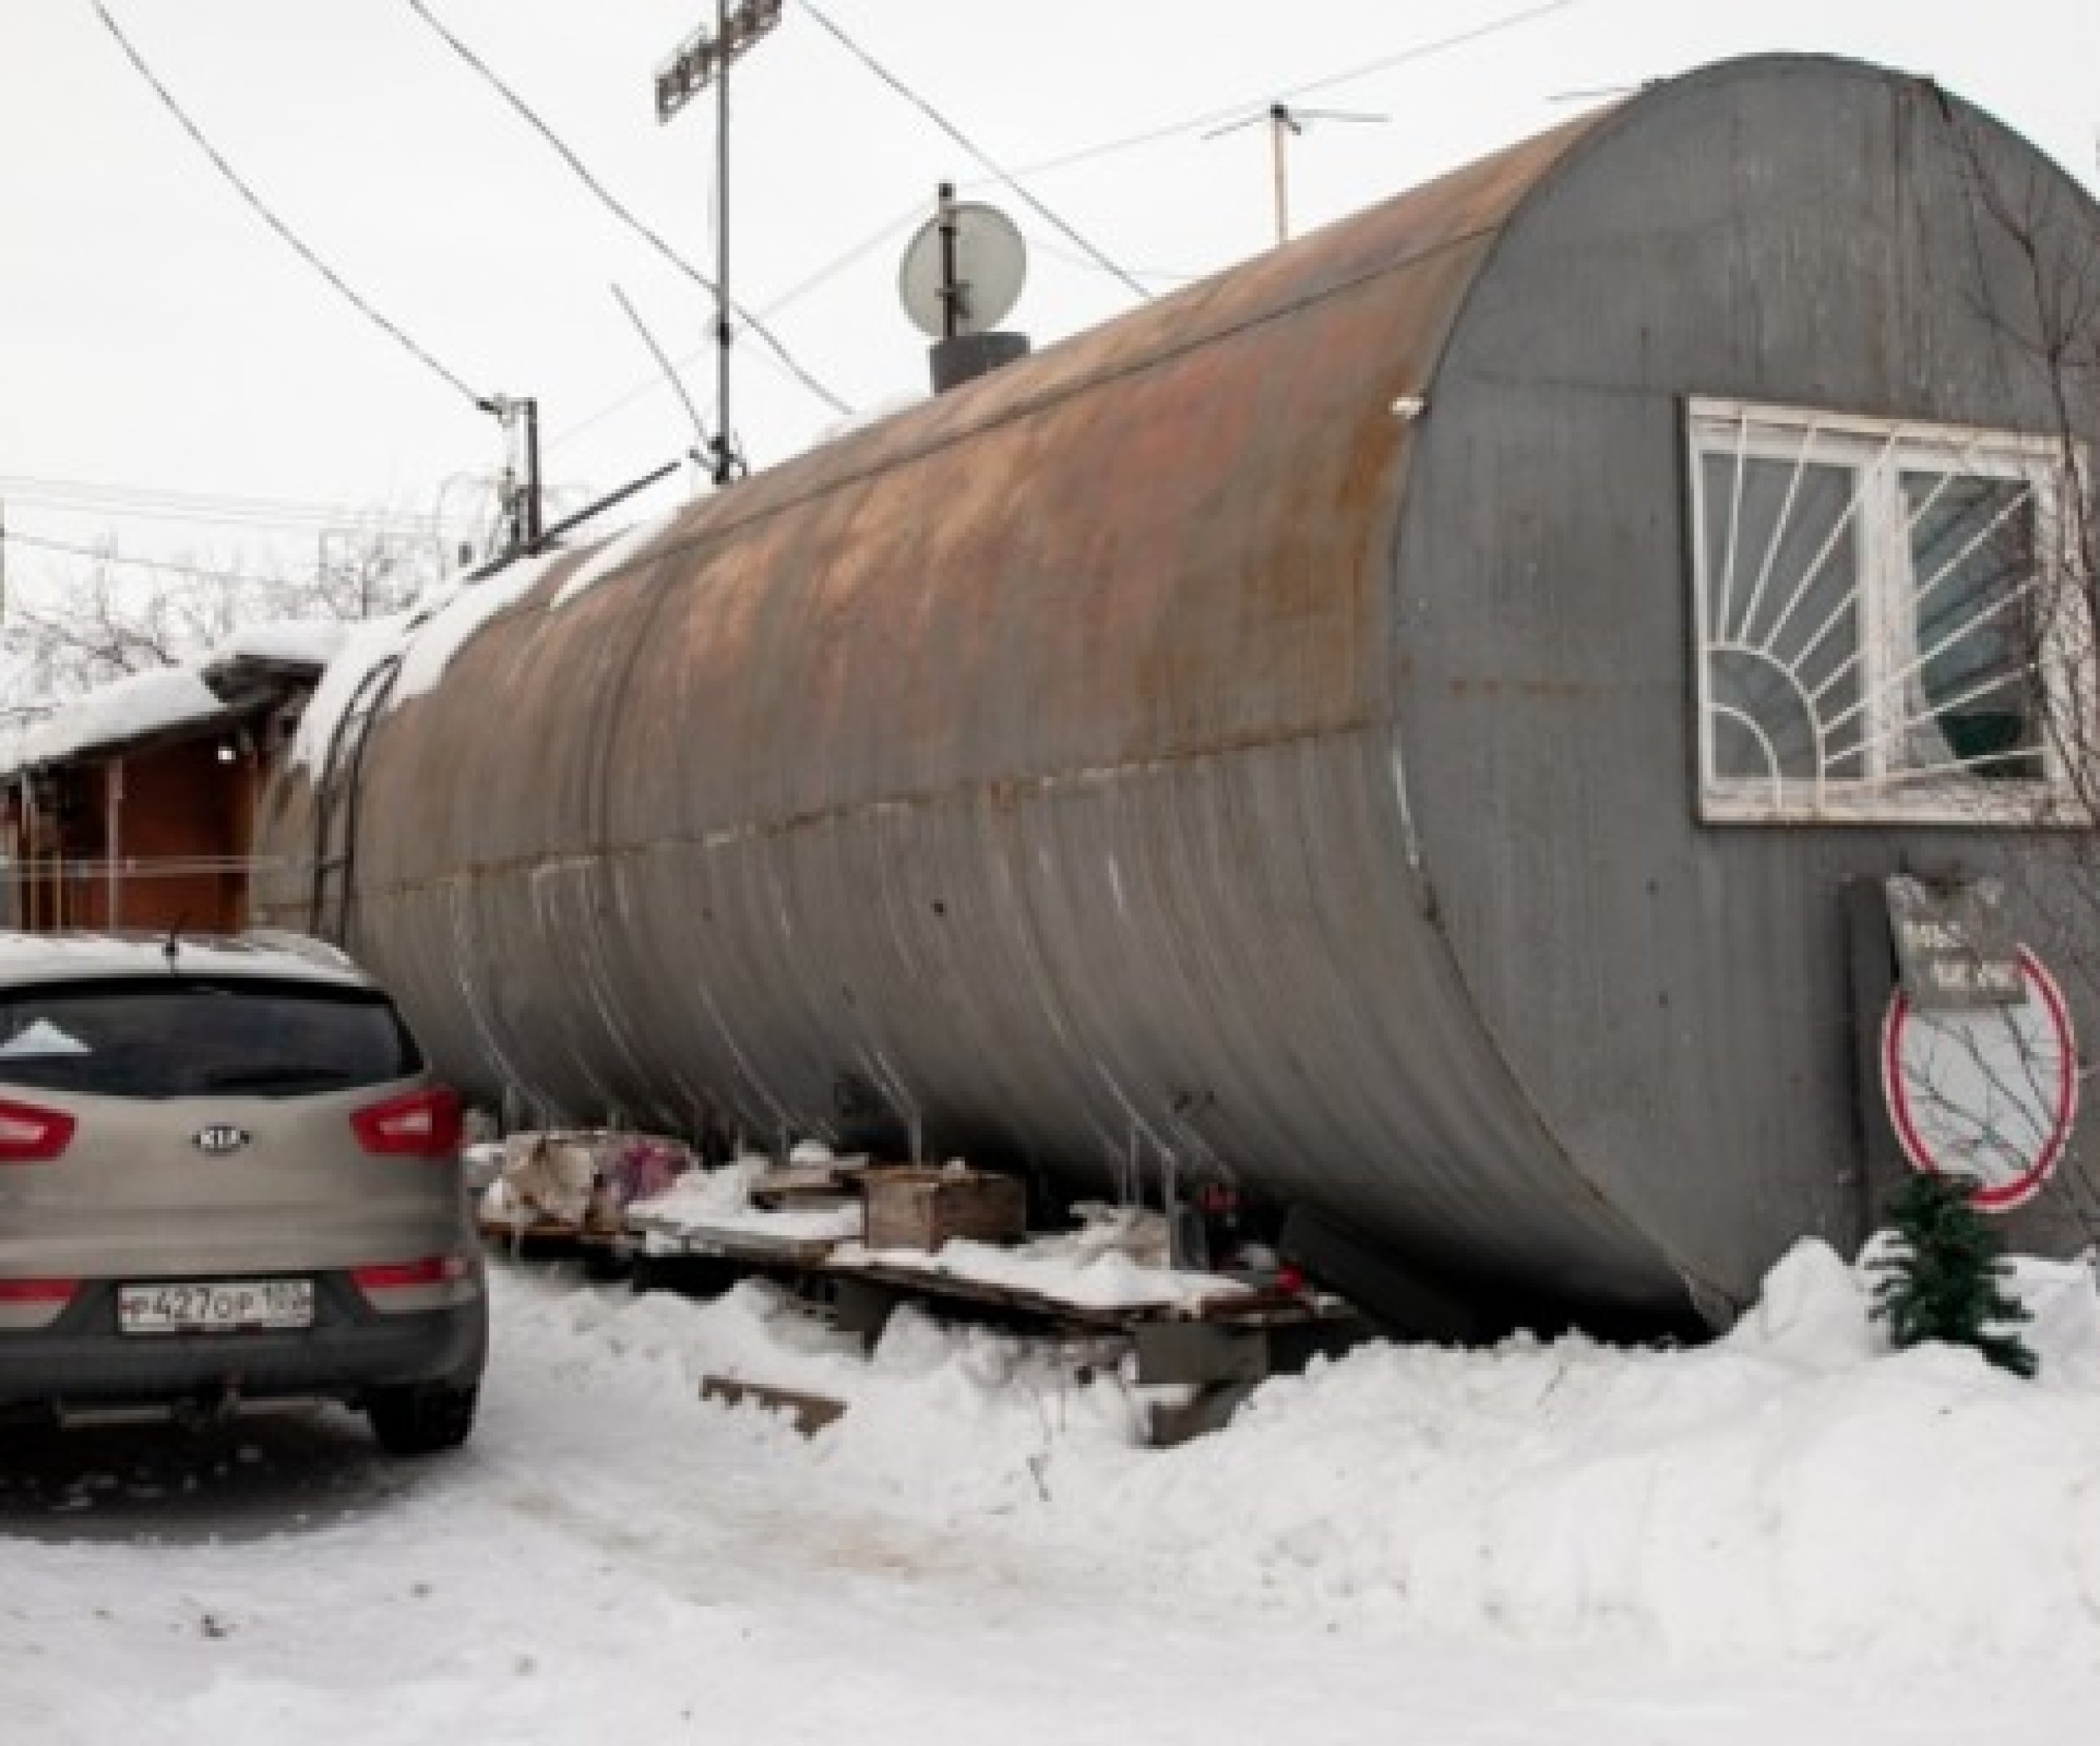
335	799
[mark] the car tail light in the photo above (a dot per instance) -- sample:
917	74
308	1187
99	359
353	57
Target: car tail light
398	1275
422	1124
38	1291
31	1134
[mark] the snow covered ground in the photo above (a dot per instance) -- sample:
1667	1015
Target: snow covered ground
1792	1535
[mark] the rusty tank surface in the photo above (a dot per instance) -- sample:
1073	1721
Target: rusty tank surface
1262	733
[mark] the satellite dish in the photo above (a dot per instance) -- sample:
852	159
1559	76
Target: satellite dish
963	273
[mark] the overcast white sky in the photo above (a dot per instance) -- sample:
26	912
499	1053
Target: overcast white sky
155	337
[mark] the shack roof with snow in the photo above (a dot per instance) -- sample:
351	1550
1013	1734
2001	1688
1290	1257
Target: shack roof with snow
133	805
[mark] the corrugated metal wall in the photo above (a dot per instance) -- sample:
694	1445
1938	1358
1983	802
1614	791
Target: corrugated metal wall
1163	740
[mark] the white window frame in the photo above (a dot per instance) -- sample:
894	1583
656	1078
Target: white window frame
1879	451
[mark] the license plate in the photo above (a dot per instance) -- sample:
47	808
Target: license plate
216	1306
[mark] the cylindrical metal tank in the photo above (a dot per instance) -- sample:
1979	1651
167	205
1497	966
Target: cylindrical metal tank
1260	731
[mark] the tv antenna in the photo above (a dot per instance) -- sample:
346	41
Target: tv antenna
702	60
1283	121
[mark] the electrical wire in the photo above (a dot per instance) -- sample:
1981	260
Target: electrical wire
619	210
915	212
284	230
1192	124
1491	27
34	483
133	503
954	133
824	275
670	370
1211	118
1170	275
10	537
160	516
641	390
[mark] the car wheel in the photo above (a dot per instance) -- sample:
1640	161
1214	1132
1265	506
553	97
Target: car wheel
422	1420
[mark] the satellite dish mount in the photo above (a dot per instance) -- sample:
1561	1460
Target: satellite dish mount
961	276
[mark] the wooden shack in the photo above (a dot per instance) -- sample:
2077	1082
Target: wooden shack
133	807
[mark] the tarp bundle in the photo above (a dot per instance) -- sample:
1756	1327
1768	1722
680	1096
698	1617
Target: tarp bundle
585	1178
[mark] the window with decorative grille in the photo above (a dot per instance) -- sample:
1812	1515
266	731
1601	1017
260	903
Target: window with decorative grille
1886	632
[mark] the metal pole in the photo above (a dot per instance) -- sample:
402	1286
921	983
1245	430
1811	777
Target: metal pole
950	292
1279	131
33	857
113	833
611	497
723	333
533	508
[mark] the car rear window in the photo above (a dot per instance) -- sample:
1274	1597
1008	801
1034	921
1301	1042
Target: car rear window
168	1036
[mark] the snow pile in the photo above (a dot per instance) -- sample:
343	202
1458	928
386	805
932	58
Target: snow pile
297	642
949	1419
123	711
1092	1267
720	1200
18	727
1113	1261
1796	1489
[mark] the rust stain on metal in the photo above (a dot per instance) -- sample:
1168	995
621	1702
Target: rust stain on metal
1036	744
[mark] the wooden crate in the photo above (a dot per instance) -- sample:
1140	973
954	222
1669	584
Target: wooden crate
919	1208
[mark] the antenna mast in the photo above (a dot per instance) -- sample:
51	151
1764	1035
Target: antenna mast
1283	122
704	59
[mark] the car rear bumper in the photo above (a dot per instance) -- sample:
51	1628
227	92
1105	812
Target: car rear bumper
82	1360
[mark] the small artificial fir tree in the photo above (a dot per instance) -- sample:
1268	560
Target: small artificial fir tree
1943	1281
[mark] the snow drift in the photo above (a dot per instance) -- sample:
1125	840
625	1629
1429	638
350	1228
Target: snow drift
1796	1488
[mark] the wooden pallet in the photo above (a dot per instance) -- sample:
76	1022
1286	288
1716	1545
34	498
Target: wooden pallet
1212	1352
808	1413
755	1248
1249	1308
544	1237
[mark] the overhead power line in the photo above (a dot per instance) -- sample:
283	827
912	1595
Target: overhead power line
147	504
284	230
954	133
192	571
619	208
913	215
1071	257
1324	82
1400	56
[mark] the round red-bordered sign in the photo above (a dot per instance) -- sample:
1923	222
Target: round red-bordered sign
1989	1093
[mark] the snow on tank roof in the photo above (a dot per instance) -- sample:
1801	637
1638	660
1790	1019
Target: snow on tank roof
43	957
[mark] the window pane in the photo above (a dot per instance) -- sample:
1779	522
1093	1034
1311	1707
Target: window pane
1783	617
1974	698
173	1038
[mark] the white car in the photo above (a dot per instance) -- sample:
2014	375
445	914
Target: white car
227	1178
